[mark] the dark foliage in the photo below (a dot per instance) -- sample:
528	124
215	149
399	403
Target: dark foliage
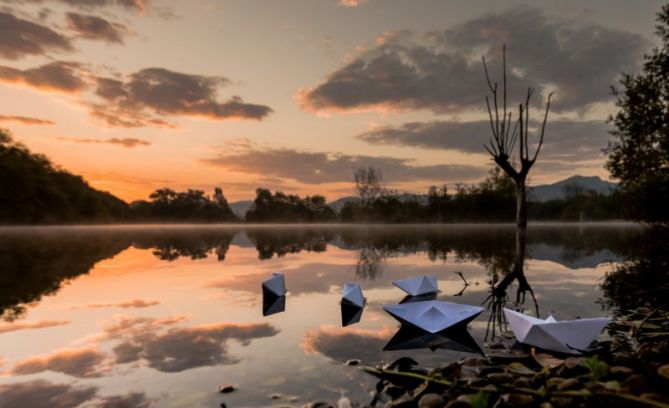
640	155
167	205
280	207
33	190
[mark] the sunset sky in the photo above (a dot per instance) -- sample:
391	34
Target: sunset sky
293	95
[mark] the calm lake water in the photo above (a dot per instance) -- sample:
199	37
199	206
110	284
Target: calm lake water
161	316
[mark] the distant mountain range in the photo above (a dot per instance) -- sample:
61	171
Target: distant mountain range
547	192
540	193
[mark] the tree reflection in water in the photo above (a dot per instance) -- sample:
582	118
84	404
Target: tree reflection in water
498	298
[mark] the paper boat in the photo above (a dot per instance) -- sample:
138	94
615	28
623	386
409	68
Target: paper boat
352	294
419	285
568	336
409	338
419	298
276	284
272	304
350	314
433	316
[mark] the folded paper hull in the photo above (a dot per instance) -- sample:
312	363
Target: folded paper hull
568	336
417	286
433	316
352	294
276	284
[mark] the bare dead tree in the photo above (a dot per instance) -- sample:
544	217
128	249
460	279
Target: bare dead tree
505	137
368	183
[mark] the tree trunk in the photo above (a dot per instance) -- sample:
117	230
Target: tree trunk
521	204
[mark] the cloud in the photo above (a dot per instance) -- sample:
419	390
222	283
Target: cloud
59	76
144	98
339	344
323	167
349	3
41	393
80	363
134	303
158	91
174	349
441	71
565	139
128	142
132	5
19	38
129	400
25	120
96	28
41	324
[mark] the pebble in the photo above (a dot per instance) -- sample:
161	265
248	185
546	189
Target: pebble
225	389
621	370
352	362
569	384
664	371
500	377
474	361
405	401
637	384
431	400
459	403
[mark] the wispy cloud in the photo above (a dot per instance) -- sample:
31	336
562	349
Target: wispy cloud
96	28
41	324
126	304
124	142
26	120
332	167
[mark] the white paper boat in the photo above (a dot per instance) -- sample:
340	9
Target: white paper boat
419	285
275	285
568	336
353	294
434	315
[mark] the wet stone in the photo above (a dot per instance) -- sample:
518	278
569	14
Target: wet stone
522	382
460	402
555	382
474	361
637	384
569	384
352	362
500	377
405	401
394	391
226	389
621	370
431	401
518	400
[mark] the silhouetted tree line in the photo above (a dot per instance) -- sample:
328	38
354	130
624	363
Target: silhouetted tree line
493	200
33	190
280	207
192	205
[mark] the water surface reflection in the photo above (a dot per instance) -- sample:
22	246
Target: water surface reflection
160	316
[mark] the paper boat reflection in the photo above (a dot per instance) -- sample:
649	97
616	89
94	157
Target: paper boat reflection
567	336
419	298
434	316
352	294
411	338
272	304
350	314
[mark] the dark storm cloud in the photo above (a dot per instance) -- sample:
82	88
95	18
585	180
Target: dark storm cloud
95	28
174	349
40	393
19	38
323	167
160	91
442	72
566	139
60	76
